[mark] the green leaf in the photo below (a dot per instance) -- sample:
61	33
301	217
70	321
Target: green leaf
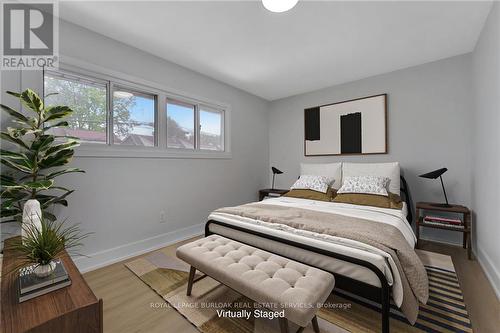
6	136
62	172
57	112
58	159
14	113
7	180
23	167
42	143
31	99
59	124
12	155
57	200
66	145
36	185
18	95
49	216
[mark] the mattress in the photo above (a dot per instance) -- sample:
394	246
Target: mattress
351	248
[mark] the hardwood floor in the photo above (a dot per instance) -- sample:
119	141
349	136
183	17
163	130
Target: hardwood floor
127	300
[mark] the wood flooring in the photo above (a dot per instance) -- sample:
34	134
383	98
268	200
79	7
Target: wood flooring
131	306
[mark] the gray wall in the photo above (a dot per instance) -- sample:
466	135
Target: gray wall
120	199
486	149
429	114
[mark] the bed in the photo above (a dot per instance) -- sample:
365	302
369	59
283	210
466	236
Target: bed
359	268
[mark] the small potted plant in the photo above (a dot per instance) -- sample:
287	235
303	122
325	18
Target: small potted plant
43	242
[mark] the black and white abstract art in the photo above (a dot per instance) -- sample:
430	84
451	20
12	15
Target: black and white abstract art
352	127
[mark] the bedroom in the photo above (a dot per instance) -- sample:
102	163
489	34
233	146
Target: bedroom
193	103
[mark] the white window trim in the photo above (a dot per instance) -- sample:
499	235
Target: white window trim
86	149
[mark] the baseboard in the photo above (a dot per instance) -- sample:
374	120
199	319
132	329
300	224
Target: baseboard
490	270
122	252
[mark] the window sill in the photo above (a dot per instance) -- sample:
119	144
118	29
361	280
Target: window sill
100	150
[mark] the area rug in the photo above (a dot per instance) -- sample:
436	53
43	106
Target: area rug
343	312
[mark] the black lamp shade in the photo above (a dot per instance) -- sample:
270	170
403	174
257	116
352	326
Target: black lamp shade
437	174
276	171
434	174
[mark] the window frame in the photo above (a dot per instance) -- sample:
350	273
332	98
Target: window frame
111	121
197	107
75	67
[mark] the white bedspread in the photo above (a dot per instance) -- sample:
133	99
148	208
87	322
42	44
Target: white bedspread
380	259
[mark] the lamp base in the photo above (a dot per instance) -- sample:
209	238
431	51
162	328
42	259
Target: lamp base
443	205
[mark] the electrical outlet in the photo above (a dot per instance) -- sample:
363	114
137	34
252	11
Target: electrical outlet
163	217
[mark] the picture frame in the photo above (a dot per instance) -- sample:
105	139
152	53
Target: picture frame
352	127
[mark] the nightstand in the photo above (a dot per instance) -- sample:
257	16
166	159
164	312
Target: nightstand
274	193
464	228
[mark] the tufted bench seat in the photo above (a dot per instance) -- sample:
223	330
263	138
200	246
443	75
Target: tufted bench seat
296	288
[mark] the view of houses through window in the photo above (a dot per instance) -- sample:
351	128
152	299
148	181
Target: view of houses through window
132	115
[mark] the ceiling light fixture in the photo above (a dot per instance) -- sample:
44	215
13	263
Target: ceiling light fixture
279	6
122	94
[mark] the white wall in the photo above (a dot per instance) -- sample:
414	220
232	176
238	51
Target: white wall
486	152
429	114
120	199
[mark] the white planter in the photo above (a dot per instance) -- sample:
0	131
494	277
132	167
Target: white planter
44	270
32	215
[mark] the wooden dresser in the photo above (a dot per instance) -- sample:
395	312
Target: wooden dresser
72	309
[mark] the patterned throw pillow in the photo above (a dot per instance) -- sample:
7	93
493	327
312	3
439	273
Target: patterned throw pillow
311	182
365	184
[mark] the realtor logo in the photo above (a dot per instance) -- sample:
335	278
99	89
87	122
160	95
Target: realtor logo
29	35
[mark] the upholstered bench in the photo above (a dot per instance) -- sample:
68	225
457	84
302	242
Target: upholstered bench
297	289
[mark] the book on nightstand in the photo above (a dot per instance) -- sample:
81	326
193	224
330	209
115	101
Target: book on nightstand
445	221
30	285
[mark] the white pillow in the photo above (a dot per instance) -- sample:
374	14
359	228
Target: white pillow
331	170
365	184
312	182
389	170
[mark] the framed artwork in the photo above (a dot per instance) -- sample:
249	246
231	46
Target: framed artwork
354	127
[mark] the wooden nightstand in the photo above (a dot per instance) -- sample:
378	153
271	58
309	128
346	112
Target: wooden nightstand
71	309
465	228
265	192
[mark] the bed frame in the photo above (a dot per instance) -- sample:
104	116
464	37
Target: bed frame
380	295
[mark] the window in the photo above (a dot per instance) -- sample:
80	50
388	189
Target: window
132	114
182	120
180	125
211	125
124	114
133	117
87	98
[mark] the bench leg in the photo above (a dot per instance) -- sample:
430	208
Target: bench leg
192	271
315	324
283	325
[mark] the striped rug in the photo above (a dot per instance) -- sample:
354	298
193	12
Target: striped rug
445	311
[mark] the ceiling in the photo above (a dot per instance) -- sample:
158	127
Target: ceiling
276	55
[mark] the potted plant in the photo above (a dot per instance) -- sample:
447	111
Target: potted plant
43	242
35	153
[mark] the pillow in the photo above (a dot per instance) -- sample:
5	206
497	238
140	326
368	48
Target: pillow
332	170
392	201
311	182
312	195
390	170
365	184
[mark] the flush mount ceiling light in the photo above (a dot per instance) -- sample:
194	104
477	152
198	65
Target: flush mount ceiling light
279	6
122	94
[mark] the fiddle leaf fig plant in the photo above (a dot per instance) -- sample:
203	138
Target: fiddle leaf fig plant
33	162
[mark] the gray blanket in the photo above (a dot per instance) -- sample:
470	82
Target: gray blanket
382	236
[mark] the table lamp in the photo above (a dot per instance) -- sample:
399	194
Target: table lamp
275	172
433	175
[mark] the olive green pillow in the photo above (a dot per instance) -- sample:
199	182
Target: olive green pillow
311	195
363	199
